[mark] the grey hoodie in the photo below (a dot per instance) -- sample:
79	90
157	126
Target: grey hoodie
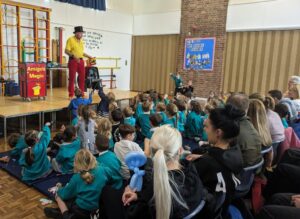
121	149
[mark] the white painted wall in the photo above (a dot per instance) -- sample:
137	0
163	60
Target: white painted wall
264	15
156	17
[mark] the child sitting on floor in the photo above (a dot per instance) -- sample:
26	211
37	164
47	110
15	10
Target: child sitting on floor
86	130
144	121
64	160
18	144
144	97
172	114
80	197
79	100
155	122
283	112
128	114
34	159
75	120
161	109
194	122
181	105
116	120
109	159
124	146
105	128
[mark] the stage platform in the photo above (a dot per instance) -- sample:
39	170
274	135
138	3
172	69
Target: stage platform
56	100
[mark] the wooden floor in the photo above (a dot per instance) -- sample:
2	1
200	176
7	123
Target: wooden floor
16	199
56	100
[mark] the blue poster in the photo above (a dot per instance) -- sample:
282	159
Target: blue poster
199	53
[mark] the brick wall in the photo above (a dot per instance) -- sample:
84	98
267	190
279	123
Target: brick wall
209	18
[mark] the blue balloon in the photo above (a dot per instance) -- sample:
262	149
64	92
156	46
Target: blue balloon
134	160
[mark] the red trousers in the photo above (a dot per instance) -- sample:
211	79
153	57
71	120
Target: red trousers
74	67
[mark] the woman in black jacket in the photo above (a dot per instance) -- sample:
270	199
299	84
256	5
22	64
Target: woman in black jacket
171	188
221	161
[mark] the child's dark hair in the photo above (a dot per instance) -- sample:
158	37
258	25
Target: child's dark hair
226	120
31	138
155	119
13	139
282	110
180	105
78	92
146	106
86	117
125	129
69	133
172	110
117	115
196	107
275	94
102	142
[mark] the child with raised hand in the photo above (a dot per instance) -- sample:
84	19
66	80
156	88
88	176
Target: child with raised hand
80	197
109	159
18	144
178	82
105	128
194	121
86	130
79	100
172	114
64	160
128	114
34	159
107	100
125	145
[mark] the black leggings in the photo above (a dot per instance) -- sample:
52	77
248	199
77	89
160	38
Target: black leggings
279	207
75	212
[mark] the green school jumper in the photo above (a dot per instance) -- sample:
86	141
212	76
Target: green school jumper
86	195
110	160
66	154
41	164
194	125
20	146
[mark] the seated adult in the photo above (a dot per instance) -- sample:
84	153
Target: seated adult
217	167
171	187
282	205
258	117
248	139
275	125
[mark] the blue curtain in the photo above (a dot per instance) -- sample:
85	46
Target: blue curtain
95	4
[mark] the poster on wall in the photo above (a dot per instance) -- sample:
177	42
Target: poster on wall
92	40
199	53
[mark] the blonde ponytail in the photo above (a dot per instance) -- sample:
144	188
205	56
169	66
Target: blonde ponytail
87	177
84	162
165	142
162	188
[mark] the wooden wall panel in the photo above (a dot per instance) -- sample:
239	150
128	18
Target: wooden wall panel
261	61
153	58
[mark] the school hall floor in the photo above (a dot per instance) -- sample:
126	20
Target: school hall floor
16	199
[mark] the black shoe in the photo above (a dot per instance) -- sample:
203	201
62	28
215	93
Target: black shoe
53	213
